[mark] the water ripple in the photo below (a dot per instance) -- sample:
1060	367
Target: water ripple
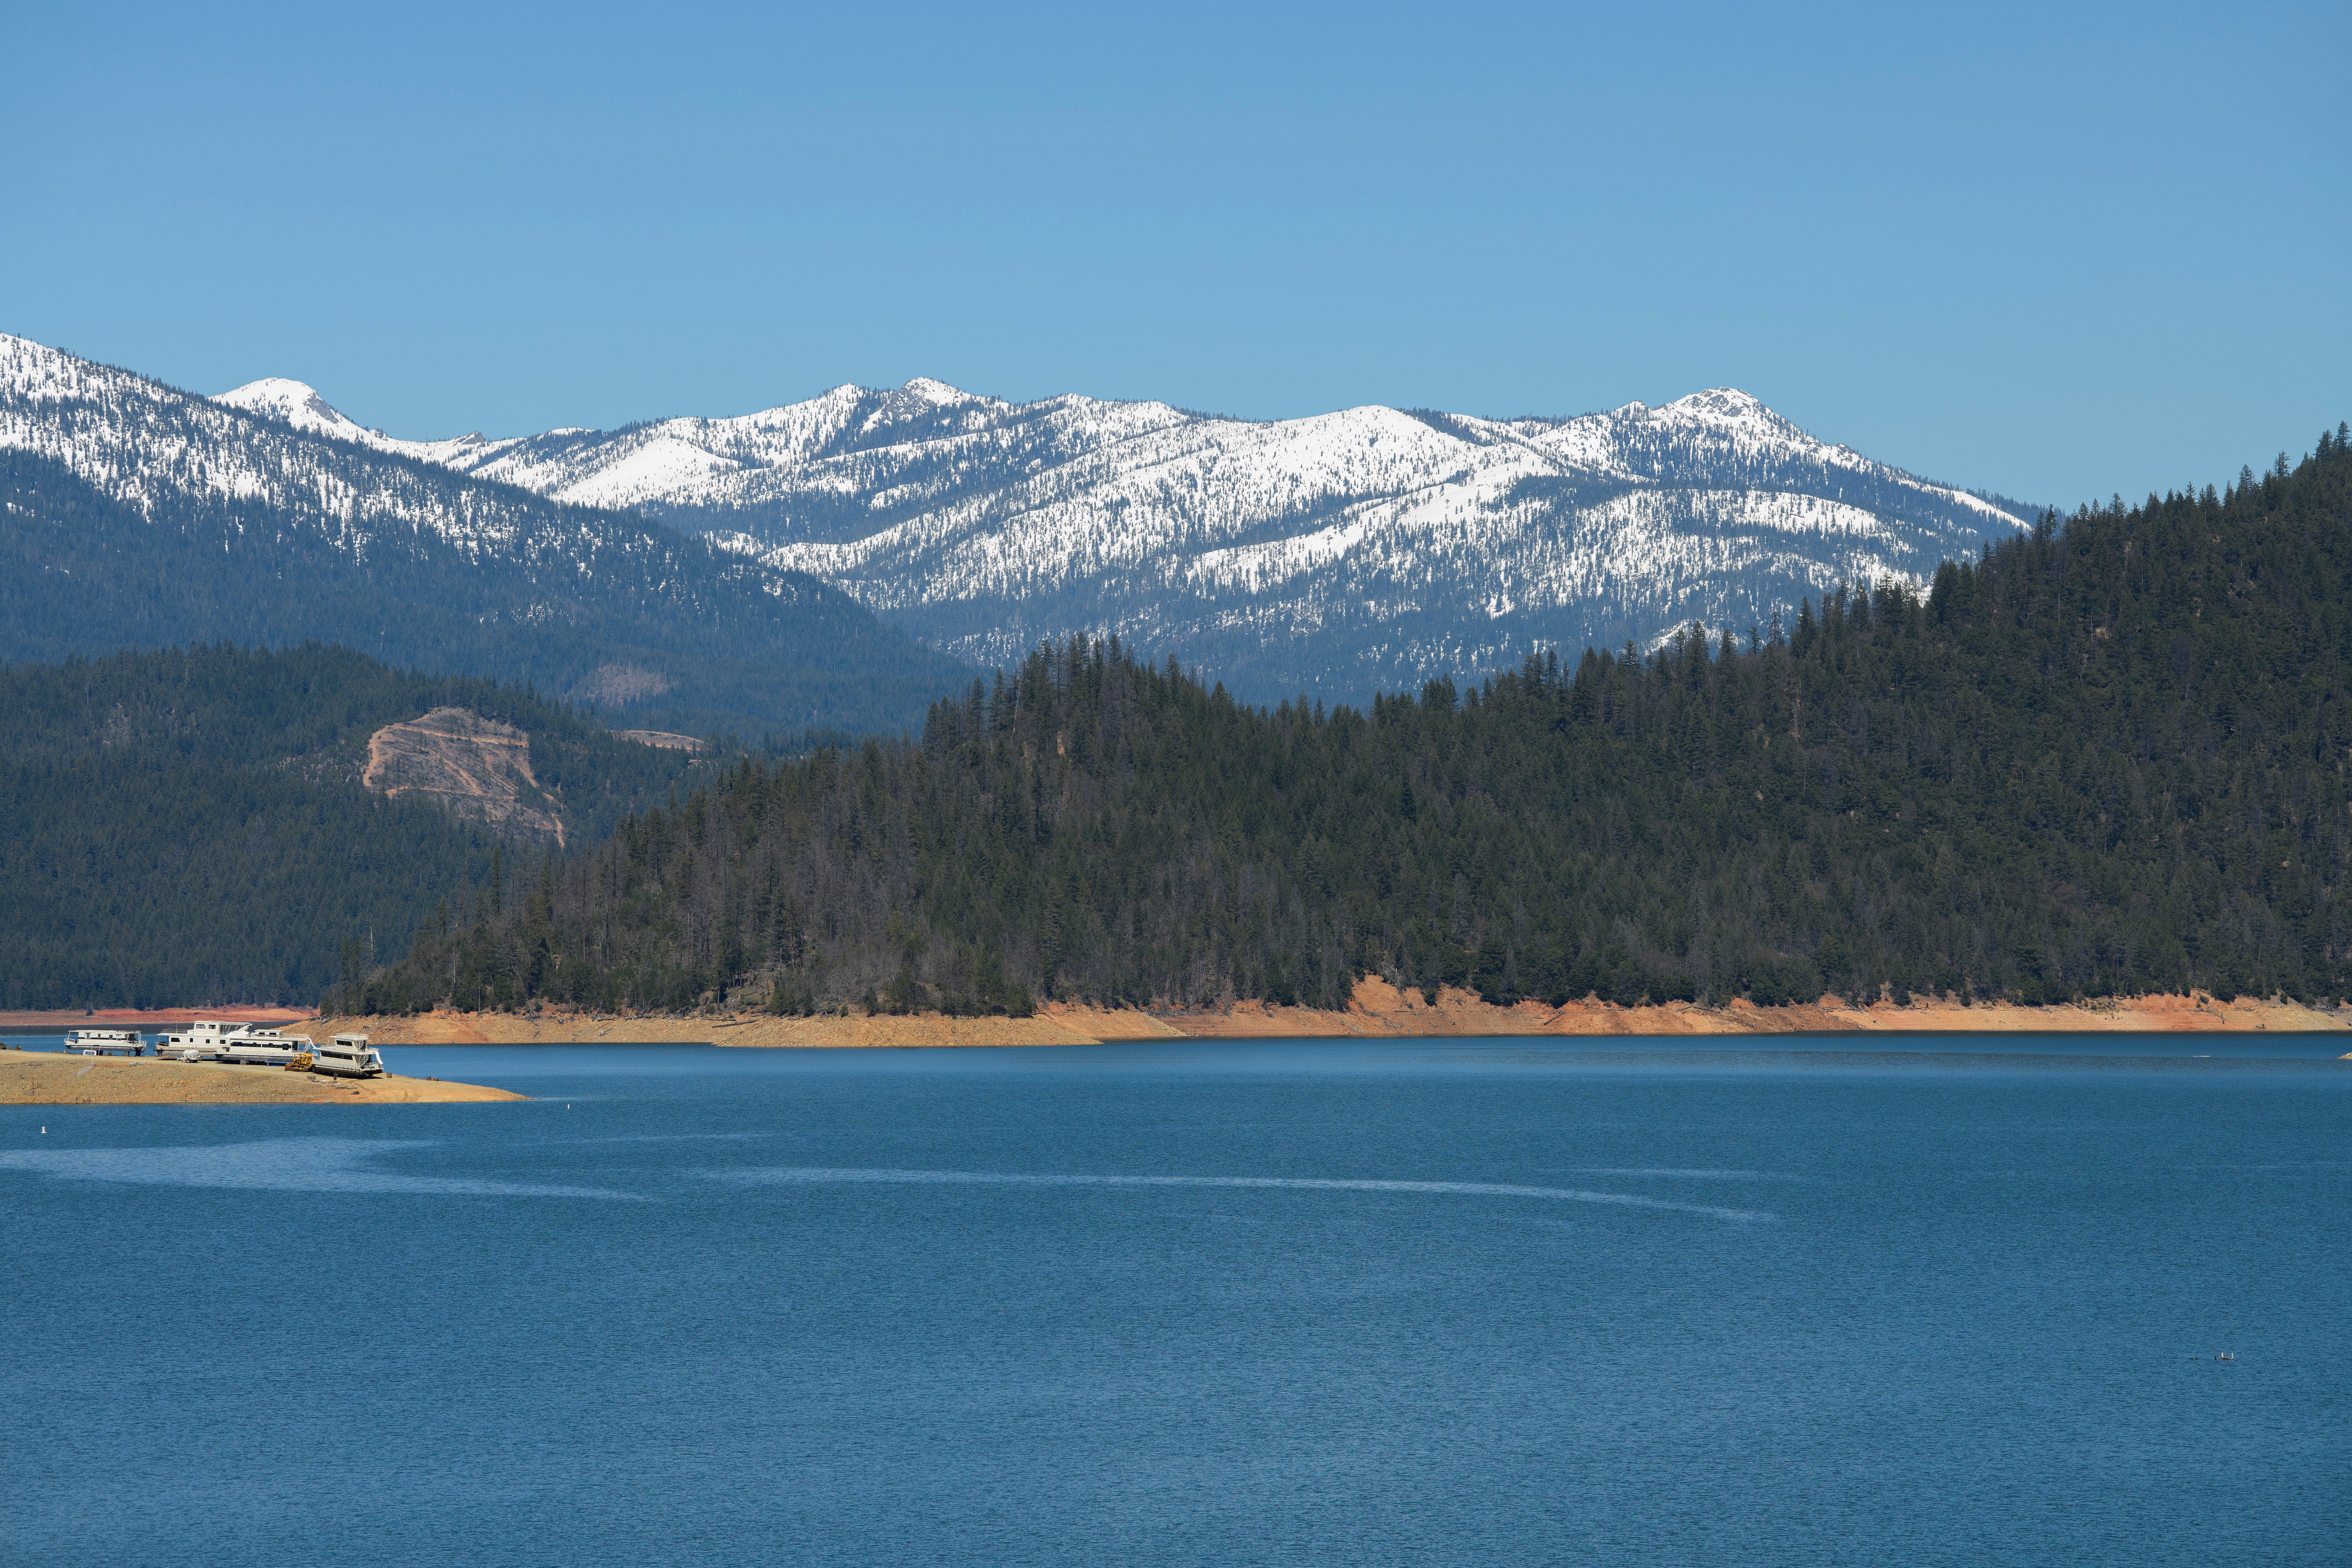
820	1174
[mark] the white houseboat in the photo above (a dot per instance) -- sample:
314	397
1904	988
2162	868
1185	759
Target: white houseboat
262	1048
347	1055
199	1042
105	1042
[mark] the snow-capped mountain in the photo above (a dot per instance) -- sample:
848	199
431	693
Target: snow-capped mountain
1369	548
132	514
296	403
1363	550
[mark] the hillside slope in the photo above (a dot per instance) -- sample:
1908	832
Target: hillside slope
2106	758
134	515
186	827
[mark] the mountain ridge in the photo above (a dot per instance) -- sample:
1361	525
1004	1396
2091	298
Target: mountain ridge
1341	554
140	515
1405	542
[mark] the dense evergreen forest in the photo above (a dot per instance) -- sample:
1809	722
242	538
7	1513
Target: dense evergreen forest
2106	757
180	828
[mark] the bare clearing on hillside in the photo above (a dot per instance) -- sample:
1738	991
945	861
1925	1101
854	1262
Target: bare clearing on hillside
476	768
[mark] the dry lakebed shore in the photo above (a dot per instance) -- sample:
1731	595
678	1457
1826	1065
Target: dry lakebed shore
54	1078
1376	1011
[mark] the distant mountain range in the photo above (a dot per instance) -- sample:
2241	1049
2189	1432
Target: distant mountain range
133	515
1366	550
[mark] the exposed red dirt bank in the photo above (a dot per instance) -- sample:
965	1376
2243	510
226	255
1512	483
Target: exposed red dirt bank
152	1019
1377	1010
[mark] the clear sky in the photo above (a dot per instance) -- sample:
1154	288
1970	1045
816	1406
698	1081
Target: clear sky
2054	250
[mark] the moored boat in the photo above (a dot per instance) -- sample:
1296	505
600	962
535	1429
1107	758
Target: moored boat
347	1055
199	1042
262	1048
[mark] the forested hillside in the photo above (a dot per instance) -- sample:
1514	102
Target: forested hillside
179	827
2105	757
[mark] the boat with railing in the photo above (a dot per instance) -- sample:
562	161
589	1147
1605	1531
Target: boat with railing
262	1048
347	1055
217	1040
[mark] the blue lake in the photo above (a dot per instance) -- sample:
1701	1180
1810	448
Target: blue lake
1493	1302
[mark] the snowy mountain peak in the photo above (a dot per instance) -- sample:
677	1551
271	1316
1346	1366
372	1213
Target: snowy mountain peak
937	392
1724	403
295	402
298	403
921	398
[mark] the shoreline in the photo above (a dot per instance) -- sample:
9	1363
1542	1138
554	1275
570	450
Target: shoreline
54	1078
1376	1011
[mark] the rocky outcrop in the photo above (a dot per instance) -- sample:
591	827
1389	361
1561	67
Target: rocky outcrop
475	767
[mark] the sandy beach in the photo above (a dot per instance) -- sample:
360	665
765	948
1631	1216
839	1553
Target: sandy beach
53	1077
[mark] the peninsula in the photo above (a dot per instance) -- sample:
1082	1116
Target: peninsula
54	1078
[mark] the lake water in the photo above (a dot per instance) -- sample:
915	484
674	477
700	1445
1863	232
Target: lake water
1429	1303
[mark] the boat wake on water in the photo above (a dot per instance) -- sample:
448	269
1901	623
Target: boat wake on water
276	1164
814	1175
1690	1174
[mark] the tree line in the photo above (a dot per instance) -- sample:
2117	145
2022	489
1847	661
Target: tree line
2104	757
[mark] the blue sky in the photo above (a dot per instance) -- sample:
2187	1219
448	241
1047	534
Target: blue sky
2054	250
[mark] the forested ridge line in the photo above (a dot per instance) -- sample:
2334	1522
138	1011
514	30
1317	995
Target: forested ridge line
2107	757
